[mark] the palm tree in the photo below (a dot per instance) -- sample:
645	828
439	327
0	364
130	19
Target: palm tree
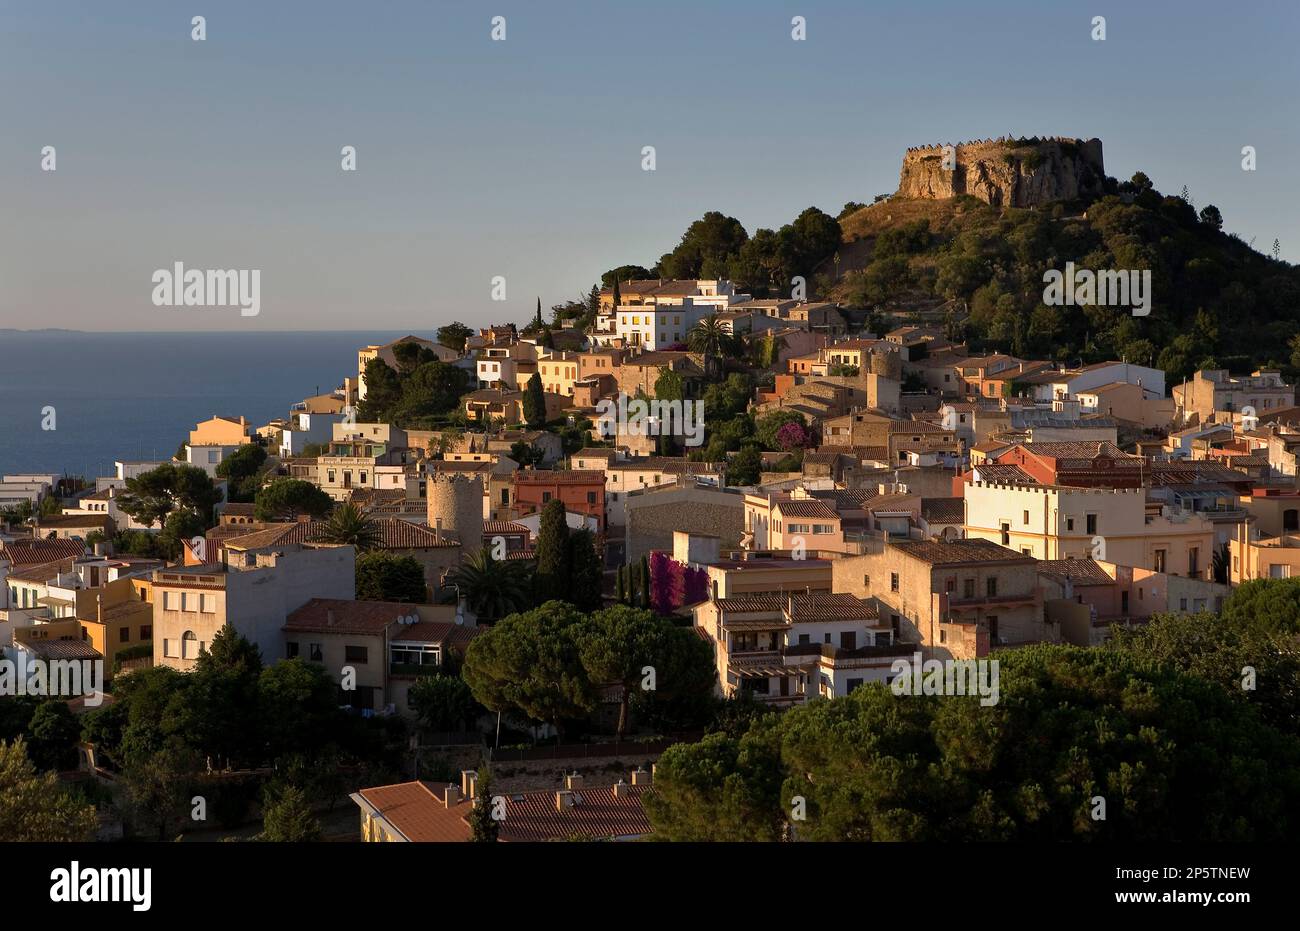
348	524
493	588
708	337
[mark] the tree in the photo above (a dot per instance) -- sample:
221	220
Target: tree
288	818
720	789
625	273
1211	217
383	392
286	498
454	335
385	576
644	579
670	386
530	663
534	403
443	703
492	588
551	581
483	827
34	807
792	436
586	571
153	495
767	426
745	467
706	247
297	705
54	732
242	471
526	454
429	391
350	525
708	337
158	785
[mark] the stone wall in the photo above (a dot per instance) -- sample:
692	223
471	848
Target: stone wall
1005	172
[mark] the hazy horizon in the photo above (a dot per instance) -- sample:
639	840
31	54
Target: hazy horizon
522	158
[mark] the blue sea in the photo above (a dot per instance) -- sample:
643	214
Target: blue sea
137	395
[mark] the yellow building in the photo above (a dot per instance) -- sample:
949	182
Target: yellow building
558	372
222	431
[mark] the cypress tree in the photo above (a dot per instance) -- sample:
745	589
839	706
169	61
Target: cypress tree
645	582
535	402
553	553
620	585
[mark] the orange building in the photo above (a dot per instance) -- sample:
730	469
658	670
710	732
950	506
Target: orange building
581	490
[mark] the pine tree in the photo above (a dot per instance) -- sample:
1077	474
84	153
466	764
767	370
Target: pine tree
586	571
617	297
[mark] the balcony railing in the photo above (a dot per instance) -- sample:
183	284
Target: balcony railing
413	669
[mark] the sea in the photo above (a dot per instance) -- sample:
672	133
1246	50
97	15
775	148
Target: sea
136	396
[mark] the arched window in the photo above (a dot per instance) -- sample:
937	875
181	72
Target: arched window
189	645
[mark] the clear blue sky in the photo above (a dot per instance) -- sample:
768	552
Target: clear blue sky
522	158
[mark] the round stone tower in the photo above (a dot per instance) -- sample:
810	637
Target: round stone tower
455	502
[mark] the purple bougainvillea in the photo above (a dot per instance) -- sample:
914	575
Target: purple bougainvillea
792	436
673	584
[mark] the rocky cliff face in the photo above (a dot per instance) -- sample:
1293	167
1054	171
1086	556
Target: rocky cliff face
1005	172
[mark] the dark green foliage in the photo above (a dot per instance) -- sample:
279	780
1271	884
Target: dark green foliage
534	403
454	335
483	828
493	588
286	498
554	554
745	467
242	471
385	576
288	817
586	571
443	703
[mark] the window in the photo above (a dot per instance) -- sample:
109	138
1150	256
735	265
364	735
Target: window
1182	604
893	581
1159	561
171	601
803	638
330	474
1069	524
207	604
291	650
546	496
1006	534
190	645
125	635
853	684
968	588
363	478
356	654
991	587
591	497
822	528
1193	561
146	632
848	640
950	584
993	628
314	653
866	582
882	638
1026	518
943	635
1091	523
1027	550
169	648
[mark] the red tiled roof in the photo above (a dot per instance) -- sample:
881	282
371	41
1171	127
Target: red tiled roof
807	507
958	552
334	615
503	526
596	815
27	551
418	813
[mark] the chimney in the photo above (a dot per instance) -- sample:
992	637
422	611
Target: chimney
451	795
640	777
621	789
573	781
563	800
469	783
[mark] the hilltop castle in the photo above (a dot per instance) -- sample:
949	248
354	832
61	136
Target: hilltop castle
1005	172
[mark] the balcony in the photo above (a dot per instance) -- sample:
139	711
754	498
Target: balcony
413	669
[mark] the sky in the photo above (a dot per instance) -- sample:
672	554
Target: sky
522	158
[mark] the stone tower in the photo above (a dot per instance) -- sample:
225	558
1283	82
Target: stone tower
455	502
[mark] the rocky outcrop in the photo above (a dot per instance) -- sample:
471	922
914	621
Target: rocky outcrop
1006	172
